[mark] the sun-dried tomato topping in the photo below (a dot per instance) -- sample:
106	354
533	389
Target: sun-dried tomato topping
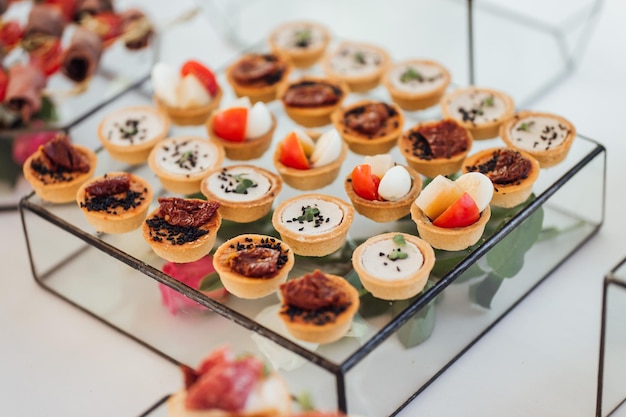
312	94
186	212
313	291
109	185
439	140
369	118
506	166
59	155
257	68
255	262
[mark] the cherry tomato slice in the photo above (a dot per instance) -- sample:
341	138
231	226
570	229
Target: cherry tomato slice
463	212
48	57
365	184
109	25
292	153
202	73
4	81
230	124
11	34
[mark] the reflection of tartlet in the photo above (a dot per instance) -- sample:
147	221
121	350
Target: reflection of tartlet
304	42
253	266
58	169
130	133
182	230
249	148
245	192
416	84
116	202
385	210
189	116
545	136
181	162
369	127
318	307
360	65
451	239
512	173
394	266
258	76
229	385
309	101
313	224
480	110
436	147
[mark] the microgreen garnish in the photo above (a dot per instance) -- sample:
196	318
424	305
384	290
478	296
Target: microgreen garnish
303	38
525	126
309	214
396	254
399	240
487	102
305	401
359	57
411	74
243	184
184	157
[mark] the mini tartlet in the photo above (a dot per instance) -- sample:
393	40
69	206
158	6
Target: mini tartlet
313	224
416	84
392	197
545	136
258	76
182	229
182	162
316	170
436	147
318	307
309	101
244	130
230	385
481	110
360	65
187	96
512	173
116	202
245	192
369	127
394	266
303	41
58	168
253	266
130	133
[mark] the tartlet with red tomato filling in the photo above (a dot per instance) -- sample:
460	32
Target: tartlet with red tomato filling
182	229
512	173
318	307
58	168
243	129
258	76
253	266
451	215
381	190
230	385
309	101
369	127
305	164
436	147
187	96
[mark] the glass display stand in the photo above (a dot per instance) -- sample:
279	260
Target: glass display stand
611	394
116	279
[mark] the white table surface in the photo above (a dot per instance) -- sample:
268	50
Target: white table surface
541	360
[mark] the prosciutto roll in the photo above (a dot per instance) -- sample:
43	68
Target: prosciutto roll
136	29
91	8
24	90
44	19
82	56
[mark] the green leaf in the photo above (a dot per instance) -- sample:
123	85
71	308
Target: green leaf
210	283
419	327
48	112
9	170
371	306
305	401
482	292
